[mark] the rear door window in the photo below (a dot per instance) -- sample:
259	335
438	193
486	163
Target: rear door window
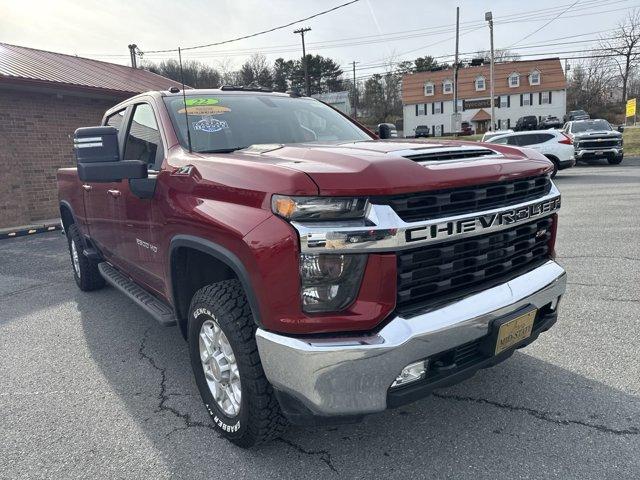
529	139
515	140
143	138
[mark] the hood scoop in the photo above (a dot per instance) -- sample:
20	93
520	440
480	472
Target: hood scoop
450	154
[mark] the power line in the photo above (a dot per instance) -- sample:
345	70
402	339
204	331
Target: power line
553	19
437	30
280	27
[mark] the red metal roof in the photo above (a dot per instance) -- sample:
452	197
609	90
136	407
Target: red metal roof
28	65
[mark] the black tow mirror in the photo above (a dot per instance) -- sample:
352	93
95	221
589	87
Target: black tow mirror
621	128
98	156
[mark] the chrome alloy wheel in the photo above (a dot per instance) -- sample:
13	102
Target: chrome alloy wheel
220	368
74	258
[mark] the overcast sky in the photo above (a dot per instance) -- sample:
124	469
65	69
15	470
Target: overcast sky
369	31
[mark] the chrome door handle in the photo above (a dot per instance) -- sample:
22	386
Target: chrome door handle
87	187
114	193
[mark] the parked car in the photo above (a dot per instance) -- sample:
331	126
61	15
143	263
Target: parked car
595	139
422	131
489	135
576	115
550	122
529	122
466	129
553	144
316	272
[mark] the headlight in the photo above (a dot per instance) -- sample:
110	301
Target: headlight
319	208
330	282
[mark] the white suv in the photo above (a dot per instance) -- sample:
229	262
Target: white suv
553	144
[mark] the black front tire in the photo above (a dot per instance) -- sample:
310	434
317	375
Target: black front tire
259	418
85	271
615	160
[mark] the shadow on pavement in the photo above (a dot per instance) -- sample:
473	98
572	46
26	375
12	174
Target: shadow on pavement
512	420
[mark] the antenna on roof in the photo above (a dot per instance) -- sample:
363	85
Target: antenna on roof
184	101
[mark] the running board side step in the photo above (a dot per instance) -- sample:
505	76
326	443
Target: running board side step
155	307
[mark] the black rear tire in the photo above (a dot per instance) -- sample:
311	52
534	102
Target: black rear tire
85	271
259	418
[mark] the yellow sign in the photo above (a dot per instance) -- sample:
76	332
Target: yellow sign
631	107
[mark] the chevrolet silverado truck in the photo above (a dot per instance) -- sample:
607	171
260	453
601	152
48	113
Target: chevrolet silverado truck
317	272
593	139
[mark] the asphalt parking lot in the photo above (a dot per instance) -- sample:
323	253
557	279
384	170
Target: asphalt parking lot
91	387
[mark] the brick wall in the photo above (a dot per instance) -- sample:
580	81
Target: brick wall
35	131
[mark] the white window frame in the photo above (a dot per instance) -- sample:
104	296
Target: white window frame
531	75
526	100
422	110
516	76
436	108
484	84
433	89
504	101
545	99
447	87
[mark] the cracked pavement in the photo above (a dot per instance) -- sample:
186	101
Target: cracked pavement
91	387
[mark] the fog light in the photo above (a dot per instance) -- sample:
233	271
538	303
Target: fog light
411	373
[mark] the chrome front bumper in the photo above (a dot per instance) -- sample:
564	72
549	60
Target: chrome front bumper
600	152
345	376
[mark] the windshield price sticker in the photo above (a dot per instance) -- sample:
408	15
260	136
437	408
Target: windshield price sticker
203	110
192	102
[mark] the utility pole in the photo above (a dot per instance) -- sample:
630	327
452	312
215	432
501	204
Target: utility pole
355	92
132	52
454	125
301	31
489	17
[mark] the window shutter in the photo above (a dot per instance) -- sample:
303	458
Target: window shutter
509	101
426	105
531	99
509	121
433	108
442	106
433	130
539	98
441	129
549	98
521	101
416	109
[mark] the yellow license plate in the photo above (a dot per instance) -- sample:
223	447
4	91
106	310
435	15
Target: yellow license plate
514	331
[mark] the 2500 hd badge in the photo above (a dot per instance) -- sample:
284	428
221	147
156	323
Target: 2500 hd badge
481	223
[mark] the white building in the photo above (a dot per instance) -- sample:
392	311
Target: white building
531	87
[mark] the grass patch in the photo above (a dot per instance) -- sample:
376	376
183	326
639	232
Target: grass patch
631	137
464	137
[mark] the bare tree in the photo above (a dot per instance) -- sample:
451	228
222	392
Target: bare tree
625	44
590	86
228	74
500	55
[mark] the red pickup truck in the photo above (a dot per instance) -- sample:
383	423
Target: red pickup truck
318	273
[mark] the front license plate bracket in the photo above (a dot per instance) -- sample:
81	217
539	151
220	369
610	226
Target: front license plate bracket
509	331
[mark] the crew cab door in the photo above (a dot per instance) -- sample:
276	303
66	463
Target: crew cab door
102	204
140	215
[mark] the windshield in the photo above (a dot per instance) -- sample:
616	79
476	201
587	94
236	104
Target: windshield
227	122
590	126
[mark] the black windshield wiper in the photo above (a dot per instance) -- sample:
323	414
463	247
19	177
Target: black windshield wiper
222	150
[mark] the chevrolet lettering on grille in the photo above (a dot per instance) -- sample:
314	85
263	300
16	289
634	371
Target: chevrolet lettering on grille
479	223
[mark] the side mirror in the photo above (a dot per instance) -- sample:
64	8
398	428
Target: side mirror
621	128
384	131
98	156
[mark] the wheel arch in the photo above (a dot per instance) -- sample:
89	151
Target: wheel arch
66	214
213	263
